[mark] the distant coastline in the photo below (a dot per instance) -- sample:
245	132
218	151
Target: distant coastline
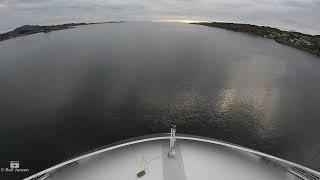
305	42
33	29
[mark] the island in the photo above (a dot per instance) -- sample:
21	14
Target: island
33	29
305	42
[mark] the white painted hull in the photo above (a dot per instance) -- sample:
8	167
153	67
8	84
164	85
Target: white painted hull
195	158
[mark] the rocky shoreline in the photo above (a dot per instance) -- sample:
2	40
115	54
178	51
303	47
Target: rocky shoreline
305	42
33	29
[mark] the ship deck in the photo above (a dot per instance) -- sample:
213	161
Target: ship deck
192	160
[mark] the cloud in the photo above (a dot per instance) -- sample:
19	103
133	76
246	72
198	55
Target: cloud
299	15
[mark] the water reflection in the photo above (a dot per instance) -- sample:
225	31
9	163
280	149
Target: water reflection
86	87
225	100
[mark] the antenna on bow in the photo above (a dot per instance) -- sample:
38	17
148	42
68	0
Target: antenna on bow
172	141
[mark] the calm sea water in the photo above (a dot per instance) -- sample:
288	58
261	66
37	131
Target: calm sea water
67	92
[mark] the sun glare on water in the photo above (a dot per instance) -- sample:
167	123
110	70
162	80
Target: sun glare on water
178	20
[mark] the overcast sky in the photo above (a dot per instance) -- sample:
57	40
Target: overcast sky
299	15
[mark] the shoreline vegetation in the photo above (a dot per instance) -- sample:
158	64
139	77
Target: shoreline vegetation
305	42
34	29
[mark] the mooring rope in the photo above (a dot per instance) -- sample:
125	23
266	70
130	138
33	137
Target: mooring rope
144	164
147	163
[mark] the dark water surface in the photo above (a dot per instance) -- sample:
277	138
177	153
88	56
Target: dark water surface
67	92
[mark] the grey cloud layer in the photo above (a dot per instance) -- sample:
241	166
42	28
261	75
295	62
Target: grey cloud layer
299	15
